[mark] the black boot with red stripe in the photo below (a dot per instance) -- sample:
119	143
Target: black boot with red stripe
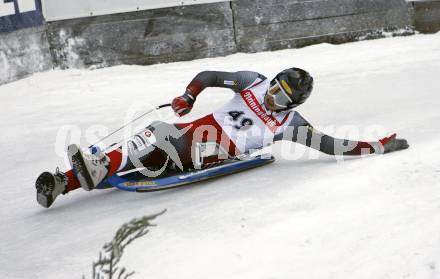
49	186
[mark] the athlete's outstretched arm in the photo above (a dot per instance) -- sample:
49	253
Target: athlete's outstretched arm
301	131
237	81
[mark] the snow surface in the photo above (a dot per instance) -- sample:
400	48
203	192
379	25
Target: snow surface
313	217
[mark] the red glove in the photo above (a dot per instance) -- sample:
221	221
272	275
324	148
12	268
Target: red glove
183	104
391	143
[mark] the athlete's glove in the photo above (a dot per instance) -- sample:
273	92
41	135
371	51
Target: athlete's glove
183	104
391	144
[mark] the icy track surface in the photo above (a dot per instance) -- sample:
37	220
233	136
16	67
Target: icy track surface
375	217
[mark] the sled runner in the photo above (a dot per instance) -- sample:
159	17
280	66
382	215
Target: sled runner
137	182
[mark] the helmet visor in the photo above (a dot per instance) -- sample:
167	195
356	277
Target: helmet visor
279	96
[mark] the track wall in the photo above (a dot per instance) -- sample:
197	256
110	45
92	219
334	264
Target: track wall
24	48
427	16
184	32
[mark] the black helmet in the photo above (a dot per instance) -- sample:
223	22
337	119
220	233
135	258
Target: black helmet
290	88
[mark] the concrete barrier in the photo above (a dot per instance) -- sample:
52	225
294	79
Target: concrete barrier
427	16
144	37
271	25
24	48
197	31
23	52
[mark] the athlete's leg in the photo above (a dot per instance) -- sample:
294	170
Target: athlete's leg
151	150
114	159
155	148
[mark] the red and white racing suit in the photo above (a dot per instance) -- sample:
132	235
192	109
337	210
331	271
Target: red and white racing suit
243	124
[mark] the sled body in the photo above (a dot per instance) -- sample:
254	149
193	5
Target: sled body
137	182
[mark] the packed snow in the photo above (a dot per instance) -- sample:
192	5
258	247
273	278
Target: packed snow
308	215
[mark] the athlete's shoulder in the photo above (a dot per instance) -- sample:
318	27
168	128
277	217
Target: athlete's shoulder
251	75
258	83
297	119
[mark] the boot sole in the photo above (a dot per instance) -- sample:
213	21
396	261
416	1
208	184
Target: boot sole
79	167
45	179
